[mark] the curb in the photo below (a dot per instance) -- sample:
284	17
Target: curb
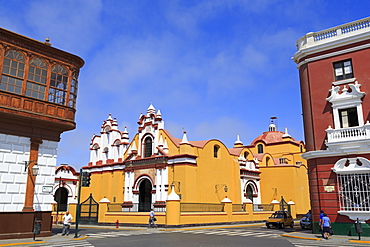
15	244
84	237
290	236
359	241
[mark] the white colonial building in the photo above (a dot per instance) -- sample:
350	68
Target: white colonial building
14	153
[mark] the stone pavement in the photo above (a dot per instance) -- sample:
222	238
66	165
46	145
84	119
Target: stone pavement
306	234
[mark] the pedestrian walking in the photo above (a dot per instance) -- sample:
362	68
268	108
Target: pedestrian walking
152	219
326	226
66	223
320	222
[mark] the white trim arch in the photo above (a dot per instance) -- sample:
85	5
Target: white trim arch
253	185
136	185
255	191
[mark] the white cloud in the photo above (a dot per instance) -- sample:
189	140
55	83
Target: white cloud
71	25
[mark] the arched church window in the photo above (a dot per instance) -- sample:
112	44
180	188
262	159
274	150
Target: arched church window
260	148
36	80
58	85
245	154
216	148
106	151
13	72
148	147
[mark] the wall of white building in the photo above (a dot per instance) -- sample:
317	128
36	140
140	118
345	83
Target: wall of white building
14	151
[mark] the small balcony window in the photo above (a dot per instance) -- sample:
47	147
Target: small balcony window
348	117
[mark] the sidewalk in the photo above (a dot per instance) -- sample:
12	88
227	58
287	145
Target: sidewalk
335	238
57	236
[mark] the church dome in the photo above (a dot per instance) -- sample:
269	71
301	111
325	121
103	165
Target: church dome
270	137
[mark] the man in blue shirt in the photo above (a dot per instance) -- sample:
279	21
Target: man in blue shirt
321	215
325	223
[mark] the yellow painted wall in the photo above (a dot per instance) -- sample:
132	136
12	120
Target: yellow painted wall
107	184
288	180
198	182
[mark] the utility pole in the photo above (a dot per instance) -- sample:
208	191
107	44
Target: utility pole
59	199
78	204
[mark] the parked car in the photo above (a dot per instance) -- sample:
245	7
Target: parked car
305	222
280	219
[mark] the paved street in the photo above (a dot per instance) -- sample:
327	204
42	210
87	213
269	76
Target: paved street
241	236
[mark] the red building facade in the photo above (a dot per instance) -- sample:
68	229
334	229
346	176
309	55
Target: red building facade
334	69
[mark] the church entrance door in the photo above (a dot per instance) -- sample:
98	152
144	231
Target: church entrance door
61	197
249	193
145	196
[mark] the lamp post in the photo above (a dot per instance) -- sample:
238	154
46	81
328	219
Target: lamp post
220	186
32	169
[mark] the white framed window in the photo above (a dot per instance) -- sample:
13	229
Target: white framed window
343	70
347	106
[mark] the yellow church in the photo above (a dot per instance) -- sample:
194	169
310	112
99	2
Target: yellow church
190	182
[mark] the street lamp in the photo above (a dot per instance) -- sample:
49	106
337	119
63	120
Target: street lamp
219	186
35	168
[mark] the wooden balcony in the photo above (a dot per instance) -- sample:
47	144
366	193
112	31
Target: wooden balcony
20	114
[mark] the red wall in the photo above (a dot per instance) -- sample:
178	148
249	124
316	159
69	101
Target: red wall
316	80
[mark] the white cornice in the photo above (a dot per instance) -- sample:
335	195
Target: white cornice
182	160
104	168
329	153
332	54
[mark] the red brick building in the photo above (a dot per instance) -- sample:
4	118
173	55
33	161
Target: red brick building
334	70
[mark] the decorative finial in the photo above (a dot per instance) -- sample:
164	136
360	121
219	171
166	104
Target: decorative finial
47	41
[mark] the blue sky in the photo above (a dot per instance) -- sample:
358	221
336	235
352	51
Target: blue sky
216	68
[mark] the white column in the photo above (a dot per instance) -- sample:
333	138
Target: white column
126	195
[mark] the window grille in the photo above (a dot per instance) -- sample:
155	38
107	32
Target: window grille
354	194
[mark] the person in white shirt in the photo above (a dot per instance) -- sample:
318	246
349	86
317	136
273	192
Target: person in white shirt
152	219
66	223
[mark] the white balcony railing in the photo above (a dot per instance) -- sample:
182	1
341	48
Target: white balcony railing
348	134
311	38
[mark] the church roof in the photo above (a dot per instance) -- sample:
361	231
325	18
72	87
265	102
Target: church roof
177	141
235	151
